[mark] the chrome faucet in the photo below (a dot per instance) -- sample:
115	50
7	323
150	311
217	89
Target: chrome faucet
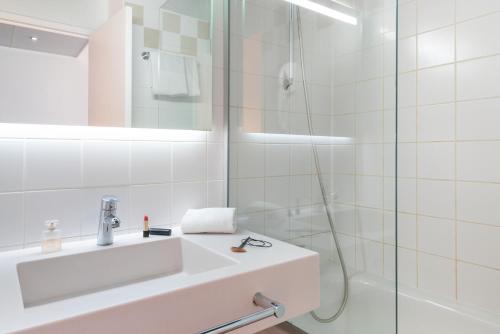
107	220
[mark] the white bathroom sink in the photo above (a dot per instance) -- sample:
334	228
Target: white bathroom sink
57	278
182	284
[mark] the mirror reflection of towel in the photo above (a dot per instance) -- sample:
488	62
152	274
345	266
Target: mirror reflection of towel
169	74
192	77
175	75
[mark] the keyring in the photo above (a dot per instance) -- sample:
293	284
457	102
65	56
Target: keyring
258	243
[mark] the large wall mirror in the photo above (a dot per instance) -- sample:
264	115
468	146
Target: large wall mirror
139	64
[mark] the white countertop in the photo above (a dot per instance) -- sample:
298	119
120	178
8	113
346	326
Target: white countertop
15	317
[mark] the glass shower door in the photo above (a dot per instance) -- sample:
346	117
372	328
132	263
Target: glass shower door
312	146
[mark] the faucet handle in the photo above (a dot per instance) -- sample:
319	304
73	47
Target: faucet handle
115	222
109	202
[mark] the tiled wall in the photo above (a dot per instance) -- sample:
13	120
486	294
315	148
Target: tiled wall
449	149
62	172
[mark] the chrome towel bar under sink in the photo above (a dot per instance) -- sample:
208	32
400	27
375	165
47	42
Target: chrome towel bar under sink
270	308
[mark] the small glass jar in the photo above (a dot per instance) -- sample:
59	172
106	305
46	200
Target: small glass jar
51	237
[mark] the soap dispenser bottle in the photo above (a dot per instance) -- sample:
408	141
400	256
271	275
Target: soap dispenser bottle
51	237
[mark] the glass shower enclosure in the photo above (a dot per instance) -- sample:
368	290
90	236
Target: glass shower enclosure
312	133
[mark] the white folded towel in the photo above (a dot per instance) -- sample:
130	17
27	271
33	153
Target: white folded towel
209	220
168	74
192	77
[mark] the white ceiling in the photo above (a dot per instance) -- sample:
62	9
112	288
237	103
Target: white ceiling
49	42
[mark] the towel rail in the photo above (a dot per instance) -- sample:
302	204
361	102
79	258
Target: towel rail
270	308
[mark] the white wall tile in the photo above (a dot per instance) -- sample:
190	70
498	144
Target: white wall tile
407	267
467	9
407	19
251	160
278	224
150	200
390	226
369	256
277	160
434	14
436	236
478	244
150	162
478	161
436	275
436	198
11	165
407	231
369	191
52	164
370	224
407	159
187	195
478	202
374	23
63	205
189	161
344	98
371	63
369	95
343	125
341	188
277	192
370	127
390	160
407	195
436	47
390	193
300	190
369	159
11	219
344	214
390	94
300	159
250	195
478	120
436	160
216	194
436	85
390	266
345	66
407	51
215	161
436	122
106	163
478	78
478	38
479	286
407	124
407	89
